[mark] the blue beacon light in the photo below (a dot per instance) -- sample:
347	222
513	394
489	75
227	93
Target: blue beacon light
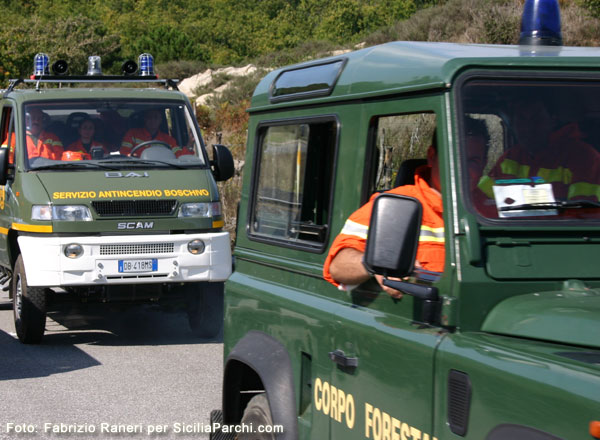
540	23
146	63
40	64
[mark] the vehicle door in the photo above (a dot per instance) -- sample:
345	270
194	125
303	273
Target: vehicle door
383	355
8	141
278	276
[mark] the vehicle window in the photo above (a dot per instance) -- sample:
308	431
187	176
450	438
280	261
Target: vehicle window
293	185
400	144
7	127
99	130
530	149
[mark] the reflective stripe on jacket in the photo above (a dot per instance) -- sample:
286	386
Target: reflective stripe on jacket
136	136
47	145
569	164
430	253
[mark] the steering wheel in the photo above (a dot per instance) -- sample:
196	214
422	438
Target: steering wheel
150	142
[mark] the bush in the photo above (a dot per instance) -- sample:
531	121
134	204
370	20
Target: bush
484	22
593	7
179	69
305	51
71	38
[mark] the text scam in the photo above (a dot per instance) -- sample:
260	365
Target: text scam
379	425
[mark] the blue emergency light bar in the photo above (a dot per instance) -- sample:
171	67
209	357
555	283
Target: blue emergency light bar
41	71
540	23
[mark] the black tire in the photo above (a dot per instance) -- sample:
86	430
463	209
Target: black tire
256	414
205	308
29	306
216	417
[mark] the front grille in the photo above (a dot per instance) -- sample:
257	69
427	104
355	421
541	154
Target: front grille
122	208
132	249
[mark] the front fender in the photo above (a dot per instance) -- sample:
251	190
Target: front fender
270	361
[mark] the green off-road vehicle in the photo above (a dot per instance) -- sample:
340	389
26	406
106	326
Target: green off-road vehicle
103	224
505	342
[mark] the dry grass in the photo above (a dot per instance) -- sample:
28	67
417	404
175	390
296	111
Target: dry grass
485	21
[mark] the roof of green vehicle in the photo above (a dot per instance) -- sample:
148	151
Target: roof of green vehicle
54	93
411	66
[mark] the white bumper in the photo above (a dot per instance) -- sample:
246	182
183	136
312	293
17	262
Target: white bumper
46	264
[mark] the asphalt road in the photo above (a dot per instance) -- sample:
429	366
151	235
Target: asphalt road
104	369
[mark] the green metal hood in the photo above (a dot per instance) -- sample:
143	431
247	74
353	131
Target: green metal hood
569	316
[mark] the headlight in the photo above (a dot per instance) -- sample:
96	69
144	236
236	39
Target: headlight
196	246
73	250
69	213
204	210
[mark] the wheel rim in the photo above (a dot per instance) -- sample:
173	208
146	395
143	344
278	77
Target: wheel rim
19	296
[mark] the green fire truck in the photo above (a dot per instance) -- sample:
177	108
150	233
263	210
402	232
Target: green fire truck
129	213
505	342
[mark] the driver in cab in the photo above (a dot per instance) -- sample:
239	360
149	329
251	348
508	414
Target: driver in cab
149	132
41	143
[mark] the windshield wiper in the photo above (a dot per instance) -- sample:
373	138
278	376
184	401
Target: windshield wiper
561	204
141	162
72	165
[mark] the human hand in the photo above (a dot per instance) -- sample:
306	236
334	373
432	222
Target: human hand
391	292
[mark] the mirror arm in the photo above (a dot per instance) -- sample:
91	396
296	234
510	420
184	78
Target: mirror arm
427	293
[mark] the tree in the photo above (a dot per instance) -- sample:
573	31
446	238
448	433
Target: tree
72	38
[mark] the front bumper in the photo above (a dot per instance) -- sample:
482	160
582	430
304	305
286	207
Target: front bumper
46	264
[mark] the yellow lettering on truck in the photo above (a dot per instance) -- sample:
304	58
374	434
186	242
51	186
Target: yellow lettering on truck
334	402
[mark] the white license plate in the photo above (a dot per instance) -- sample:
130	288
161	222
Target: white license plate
149	265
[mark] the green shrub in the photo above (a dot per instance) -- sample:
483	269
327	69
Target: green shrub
179	69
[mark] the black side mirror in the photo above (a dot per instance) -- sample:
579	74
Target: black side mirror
3	165
393	235
222	163
392	246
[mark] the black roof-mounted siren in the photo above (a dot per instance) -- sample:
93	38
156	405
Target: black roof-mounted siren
60	67
540	23
129	68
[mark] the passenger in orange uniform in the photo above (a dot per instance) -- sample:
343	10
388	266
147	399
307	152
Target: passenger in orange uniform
559	157
86	140
343	265
41	143
150	131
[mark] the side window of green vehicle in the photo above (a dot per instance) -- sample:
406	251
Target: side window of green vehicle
399	144
291	196
7	129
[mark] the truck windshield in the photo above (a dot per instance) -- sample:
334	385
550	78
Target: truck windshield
110	133
530	148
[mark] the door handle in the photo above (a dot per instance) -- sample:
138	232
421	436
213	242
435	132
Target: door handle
340	358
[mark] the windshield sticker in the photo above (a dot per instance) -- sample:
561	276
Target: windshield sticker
130	193
517	195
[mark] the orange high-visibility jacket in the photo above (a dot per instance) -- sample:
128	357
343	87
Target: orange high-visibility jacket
136	136
78	146
569	164
430	253
11	147
47	145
